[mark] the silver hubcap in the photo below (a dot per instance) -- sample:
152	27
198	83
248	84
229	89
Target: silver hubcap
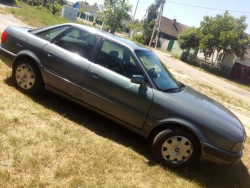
25	76
177	149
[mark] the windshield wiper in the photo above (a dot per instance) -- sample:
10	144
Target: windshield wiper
180	87
171	89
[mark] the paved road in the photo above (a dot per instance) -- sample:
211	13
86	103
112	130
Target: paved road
203	76
7	19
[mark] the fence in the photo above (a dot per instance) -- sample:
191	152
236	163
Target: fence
210	67
241	73
89	18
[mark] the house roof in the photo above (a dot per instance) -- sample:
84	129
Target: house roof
87	8
171	27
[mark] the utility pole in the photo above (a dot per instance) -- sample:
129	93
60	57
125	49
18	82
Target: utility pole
133	18
157	37
157	20
143	18
135	10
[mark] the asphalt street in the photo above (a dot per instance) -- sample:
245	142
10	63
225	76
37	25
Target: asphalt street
203	76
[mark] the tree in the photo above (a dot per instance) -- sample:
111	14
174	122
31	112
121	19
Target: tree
116	11
152	10
148	23
54	7
44	3
222	33
134	26
189	38
85	2
95	5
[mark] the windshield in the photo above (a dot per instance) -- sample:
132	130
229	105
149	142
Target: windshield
157	71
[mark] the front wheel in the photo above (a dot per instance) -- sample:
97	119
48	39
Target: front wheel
175	147
27	76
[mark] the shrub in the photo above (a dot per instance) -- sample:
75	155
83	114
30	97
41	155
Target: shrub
138	38
8	1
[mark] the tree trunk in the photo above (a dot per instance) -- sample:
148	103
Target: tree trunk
112	30
216	60
44	3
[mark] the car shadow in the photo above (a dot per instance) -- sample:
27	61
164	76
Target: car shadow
205	174
211	175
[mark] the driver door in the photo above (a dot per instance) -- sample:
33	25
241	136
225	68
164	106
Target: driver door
113	93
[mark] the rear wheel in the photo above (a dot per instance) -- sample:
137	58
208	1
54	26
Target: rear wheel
175	147
27	76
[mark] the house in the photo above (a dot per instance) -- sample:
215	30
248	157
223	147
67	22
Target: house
224	59
169	31
89	11
238	69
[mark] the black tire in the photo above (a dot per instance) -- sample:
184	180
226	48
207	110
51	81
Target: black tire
175	147
27	76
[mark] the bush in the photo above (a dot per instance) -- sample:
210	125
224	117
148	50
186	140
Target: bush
138	38
8	1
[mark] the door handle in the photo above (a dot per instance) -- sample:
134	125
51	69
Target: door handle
50	54
95	75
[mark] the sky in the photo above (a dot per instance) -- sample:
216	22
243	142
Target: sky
191	12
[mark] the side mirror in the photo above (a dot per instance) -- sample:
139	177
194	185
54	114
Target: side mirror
138	79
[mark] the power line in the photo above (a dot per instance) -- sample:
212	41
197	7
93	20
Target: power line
208	7
174	13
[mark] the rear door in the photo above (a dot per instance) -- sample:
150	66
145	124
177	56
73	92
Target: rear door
111	90
66	61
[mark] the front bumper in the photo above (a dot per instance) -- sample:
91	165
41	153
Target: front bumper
7	57
219	155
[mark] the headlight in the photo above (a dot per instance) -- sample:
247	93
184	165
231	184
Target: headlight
238	147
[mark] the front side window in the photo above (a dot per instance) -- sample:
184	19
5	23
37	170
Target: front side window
158	72
52	33
78	41
118	59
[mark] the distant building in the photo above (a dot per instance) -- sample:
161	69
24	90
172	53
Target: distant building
168	33
69	12
170	29
88	10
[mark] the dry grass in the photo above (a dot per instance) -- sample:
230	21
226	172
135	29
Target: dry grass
46	141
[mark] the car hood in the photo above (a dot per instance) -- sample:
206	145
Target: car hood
200	104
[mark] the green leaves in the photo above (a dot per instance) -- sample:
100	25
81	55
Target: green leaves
189	38
115	12
222	33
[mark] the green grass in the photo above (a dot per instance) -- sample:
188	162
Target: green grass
37	16
47	141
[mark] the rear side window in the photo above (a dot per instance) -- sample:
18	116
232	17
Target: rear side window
78	41
52	33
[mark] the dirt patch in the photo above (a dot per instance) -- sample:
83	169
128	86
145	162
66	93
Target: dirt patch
9	20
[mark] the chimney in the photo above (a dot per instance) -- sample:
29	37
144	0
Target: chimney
174	21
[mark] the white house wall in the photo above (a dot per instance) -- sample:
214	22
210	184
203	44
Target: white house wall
176	49
228	60
163	43
200	55
245	62
69	12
